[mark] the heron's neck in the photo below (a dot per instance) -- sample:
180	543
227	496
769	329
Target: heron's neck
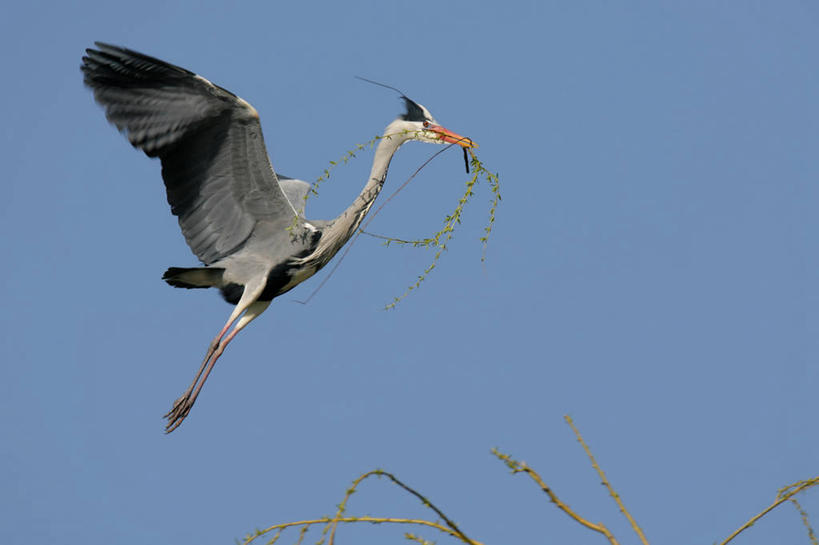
344	226
355	213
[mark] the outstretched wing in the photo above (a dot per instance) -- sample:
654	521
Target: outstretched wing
217	174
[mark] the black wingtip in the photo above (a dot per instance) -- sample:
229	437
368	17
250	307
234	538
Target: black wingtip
117	63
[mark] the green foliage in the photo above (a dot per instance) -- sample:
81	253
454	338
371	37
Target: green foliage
346	158
438	241
325	175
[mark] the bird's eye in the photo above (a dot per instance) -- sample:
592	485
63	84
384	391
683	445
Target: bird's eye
426	123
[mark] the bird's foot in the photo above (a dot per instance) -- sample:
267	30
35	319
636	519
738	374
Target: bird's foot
181	408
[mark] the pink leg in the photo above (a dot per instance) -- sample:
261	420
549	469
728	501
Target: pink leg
214	344
183	405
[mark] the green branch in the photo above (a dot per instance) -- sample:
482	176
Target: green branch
439	240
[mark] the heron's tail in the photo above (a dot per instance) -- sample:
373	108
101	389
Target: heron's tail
195	277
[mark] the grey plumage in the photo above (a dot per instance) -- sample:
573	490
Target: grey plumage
296	192
218	178
243	222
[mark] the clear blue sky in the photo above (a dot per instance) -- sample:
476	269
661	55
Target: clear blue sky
653	273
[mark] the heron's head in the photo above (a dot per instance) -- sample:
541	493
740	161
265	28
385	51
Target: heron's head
418	124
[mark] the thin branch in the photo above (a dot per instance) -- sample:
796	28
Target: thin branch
435	241
418	243
418	539
372	520
331	523
455	531
366	223
302	533
275	537
806	521
494	185
427	503
782	496
343	505
606	482
804	484
522	467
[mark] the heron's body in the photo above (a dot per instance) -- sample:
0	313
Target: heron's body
243	222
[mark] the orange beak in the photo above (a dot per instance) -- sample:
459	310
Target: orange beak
452	138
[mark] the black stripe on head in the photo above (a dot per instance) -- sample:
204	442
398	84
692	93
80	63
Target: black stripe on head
414	111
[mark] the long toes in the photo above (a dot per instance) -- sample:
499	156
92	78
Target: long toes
177	406
177	414
175	421
172	425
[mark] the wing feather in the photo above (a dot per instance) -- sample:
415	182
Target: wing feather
217	173
296	192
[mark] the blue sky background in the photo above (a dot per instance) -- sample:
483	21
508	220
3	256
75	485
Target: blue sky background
653	273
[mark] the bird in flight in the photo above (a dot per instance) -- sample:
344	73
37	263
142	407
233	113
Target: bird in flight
242	220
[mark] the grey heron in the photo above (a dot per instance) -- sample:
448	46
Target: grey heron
244	222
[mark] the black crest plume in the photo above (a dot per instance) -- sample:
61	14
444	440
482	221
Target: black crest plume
414	111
